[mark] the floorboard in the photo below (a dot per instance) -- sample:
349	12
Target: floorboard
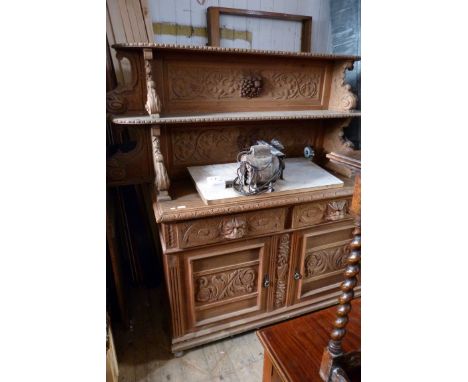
143	351
144	355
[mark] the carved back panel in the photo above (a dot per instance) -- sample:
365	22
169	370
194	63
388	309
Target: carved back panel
197	83
188	145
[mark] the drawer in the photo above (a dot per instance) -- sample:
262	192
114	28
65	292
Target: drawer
324	211
225	228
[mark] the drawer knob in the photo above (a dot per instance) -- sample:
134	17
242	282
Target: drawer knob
297	275
266	282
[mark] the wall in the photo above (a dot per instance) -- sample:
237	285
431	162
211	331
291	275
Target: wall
184	22
345	18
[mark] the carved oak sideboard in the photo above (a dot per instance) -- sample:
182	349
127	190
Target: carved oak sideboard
239	265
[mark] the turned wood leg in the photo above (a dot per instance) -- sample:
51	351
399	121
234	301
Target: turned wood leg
333	357
161	180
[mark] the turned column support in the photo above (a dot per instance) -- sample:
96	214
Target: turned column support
153	104
161	180
334	358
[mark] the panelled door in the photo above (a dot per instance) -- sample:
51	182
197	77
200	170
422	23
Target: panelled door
320	261
226	281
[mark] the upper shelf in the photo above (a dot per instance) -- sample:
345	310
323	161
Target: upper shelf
186	84
242	51
234	117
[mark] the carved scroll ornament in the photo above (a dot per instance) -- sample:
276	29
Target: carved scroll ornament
117	100
336	210
324	261
316	213
205	231
195	83
282	266
341	97
335	140
225	285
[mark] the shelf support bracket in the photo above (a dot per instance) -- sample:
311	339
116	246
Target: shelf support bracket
161	180
153	104
341	96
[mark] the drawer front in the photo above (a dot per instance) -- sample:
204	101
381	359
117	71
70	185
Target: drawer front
226	282
311	214
220	229
321	261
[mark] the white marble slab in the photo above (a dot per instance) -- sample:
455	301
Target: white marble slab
300	175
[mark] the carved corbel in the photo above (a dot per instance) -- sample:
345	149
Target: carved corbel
334	139
120	99
131	166
153	104
341	96
161	180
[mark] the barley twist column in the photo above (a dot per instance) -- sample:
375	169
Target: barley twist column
347	288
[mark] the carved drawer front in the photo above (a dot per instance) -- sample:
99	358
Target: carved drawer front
311	214
322	258
242	85
214	230
226	282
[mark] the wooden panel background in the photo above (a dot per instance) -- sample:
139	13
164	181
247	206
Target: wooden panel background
195	84
187	18
187	145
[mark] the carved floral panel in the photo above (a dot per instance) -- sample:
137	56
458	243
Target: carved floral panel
206	145
207	231
336	210
325	261
195	83
316	213
224	285
282	266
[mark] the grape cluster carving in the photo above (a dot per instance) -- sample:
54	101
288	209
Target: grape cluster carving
251	87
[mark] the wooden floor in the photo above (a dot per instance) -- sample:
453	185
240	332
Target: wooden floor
144	356
143	352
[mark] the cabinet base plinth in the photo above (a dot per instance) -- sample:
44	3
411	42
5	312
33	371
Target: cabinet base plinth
202	337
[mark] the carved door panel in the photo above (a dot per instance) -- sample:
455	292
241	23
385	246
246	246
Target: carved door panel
320	261
226	282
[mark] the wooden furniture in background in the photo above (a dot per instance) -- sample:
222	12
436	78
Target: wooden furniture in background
214	13
293	349
241	264
348	165
127	21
